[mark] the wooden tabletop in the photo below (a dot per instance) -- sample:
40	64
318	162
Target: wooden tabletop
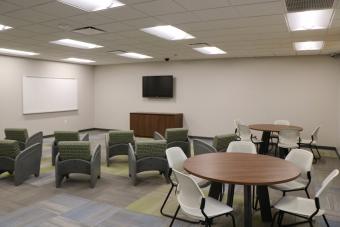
241	168
273	127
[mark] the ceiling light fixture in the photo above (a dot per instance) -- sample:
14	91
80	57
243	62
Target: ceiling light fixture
4	27
17	52
309	20
133	55
92	5
75	44
211	50
309	45
78	60
168	32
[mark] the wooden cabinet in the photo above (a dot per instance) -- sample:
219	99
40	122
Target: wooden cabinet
144	124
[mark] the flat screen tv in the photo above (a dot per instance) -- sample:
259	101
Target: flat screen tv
158	86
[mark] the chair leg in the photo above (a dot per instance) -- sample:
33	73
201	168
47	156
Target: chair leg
280	218
325	219
233	219
173	219
307	193
273	221
166	199
310	222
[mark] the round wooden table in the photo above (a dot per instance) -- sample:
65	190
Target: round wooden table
267	129
243	169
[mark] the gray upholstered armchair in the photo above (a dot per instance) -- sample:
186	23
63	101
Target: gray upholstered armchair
65	136
22	163
201	147
117	143
176	137
76	157
221	142
147	156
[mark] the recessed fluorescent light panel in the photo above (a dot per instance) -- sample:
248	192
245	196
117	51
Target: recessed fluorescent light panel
75	44
130	54
78	60
168	32
92	5
309	20
4	27
309	45
16	52
209	50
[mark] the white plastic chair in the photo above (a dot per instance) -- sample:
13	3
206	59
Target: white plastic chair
245	134
312	142
201	147
195	204
176	158
242	147
288	139
281	122
302	159
303	207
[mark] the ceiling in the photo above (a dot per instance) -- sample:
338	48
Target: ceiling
243	28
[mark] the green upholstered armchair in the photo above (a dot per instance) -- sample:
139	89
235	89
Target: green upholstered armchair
147	156
76	157
65	136
117	143
22	163
176	137
201	147
221	142
18	134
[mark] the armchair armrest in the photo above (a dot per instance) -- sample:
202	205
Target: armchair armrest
36	138
85	137
27	162
95	166
158	136
132	164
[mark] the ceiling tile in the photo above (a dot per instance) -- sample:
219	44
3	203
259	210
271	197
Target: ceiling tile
13	22
28	3
159	7
115	27
144	22
269	8
30	15
202	4
7	7
246	2
58	9
179	18
91	19
122	13
216	14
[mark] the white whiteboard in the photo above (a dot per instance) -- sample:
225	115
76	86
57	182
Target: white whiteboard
45	94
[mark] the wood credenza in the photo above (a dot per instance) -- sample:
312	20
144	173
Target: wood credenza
144	124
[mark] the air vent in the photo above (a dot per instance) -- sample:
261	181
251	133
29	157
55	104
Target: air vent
89	31
304	5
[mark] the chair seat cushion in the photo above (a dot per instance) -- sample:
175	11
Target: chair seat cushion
75	150
289	146
291	185
212	209
66	136
19	134
154	148
121	137
9	148
298	205
176	134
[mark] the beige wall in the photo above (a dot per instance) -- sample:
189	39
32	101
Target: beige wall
212	93
11	73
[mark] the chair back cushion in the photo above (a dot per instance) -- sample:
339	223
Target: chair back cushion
19	134
9	148
75	150
66	136
221	142
121	137
154	148
176	134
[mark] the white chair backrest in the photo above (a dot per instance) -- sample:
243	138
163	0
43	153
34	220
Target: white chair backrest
315	134
189	195
302	159
176	158
242	147
289	136
281	122
244	132
326	182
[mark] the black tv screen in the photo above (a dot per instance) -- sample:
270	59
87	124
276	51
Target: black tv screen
158	86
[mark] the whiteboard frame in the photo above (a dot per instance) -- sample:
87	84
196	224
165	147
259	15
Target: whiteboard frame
52	111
